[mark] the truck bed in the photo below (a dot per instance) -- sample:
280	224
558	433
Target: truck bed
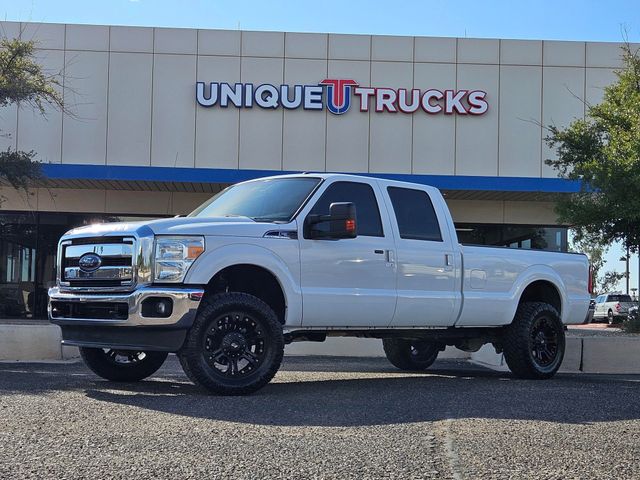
493	279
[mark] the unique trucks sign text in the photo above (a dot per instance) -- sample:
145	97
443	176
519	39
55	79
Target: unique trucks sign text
336	95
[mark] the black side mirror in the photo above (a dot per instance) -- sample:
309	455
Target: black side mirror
340	223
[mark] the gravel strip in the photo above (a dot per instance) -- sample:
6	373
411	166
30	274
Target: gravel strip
604	332
320	418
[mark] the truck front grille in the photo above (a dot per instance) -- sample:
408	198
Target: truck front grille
98	262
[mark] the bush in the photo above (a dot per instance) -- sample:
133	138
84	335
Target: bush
631	324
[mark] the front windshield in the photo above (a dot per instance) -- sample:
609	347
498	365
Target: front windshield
273	200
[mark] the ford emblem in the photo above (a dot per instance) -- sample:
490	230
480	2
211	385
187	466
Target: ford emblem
89	262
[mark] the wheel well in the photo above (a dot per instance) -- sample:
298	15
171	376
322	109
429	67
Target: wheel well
254	280
542	291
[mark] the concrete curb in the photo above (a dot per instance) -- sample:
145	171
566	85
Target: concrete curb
611	355
598	354
32	343
353	347
614	355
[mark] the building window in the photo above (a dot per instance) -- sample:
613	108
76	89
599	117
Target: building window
551	238
17	265
28	249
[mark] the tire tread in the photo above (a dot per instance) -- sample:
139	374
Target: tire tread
211	306
398	353
515	342
94	359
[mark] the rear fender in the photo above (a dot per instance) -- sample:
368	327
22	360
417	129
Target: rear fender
537	273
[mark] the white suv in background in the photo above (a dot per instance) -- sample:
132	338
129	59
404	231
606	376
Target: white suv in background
612	307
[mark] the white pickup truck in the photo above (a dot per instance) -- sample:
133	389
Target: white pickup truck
303	257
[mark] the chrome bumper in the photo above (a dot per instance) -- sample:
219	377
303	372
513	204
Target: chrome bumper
185	305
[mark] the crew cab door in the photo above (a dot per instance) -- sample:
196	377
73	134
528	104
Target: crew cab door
597	310
428	263
348	282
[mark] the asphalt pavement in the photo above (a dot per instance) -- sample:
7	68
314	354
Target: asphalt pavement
320	418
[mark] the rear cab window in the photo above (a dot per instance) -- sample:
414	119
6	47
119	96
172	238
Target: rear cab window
620	298
415	215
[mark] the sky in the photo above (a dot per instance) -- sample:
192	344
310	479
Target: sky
584	20
523	19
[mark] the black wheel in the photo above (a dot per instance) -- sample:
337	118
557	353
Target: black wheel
413	355
610	317
534	343
122	365
235	345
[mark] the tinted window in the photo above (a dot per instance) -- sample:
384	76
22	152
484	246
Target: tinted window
362	196
620	298
514	236
415	215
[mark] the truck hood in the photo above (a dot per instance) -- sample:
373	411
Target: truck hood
221	226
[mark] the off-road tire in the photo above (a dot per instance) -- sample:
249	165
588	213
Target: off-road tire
610	319
104	365
521	342
400	353
201	368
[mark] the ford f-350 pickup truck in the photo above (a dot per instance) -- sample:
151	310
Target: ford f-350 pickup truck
299	258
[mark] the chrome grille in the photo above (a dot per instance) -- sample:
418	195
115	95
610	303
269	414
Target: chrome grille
115	268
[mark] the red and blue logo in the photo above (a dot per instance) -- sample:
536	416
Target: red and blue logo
338	94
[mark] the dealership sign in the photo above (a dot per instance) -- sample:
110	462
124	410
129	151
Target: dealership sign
337	96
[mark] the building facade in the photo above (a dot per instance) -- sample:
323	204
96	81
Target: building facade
159	119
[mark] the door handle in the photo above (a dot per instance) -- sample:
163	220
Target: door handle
389	256
448	261
379	252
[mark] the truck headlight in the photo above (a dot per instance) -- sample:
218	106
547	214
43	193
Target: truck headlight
174	256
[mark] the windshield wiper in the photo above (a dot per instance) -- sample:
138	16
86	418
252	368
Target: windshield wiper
268	219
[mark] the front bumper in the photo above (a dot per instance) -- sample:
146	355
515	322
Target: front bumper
185	304
119	321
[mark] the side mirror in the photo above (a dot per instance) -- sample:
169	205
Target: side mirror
340	223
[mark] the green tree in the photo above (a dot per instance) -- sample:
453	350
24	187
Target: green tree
24	82
609	281
603	152
582	242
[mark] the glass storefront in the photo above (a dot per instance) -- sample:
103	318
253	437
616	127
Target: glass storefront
550	238
28	248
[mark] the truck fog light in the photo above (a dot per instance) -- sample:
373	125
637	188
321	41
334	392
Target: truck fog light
157	307
162	308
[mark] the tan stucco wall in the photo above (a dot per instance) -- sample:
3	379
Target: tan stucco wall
179	203
132	91
102	201
501	211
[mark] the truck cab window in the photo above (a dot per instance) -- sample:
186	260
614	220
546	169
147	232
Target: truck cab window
362	196
414	212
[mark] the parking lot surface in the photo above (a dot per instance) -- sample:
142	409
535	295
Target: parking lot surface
319	418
